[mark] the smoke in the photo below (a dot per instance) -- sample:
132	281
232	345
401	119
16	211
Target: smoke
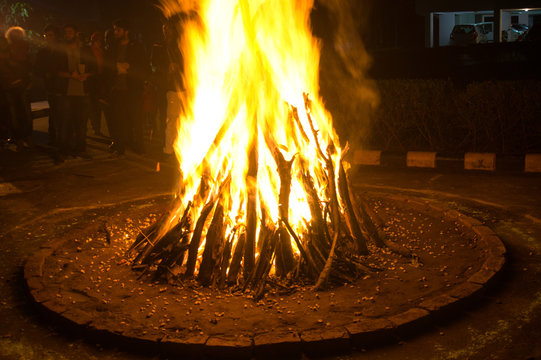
348	94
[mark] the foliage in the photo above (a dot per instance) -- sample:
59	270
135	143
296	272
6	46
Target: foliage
440	115
14	13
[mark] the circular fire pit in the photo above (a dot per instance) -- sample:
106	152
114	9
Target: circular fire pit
85	279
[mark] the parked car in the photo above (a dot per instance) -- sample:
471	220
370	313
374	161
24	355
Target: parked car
514	32
488	30
467	34
533	34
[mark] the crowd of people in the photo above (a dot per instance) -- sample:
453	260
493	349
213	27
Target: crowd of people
109	76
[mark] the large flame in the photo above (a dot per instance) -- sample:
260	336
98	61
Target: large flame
250	66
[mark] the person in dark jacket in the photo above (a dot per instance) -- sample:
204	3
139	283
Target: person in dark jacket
79	65
97	87
6	130
168	63
48	65
130	68
17	80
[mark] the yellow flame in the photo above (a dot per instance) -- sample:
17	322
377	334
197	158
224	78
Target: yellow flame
248	63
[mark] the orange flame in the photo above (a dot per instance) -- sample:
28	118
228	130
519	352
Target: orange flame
248	66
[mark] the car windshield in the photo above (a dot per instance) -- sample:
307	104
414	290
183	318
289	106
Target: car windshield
520	27
463	29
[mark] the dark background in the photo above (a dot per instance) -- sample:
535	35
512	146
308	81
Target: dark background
381	23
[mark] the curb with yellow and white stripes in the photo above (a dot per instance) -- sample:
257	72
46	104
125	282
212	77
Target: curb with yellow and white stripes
530	163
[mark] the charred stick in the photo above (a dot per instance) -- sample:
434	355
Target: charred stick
260	287
295	114
226	257
335	215
196	237
285	254
322	243
349	213
148	255
307	257
265	256
237	257
213	243
324	275
147	235
374	227
307	105
251	206
368	218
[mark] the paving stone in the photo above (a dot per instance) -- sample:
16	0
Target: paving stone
469	221
79	317
368	332
437	303
34	265
494	263
483	231
192	346
277	345
34	284
482	276
44	294
240	347
318	342
464	290
495	245
410	320
55	306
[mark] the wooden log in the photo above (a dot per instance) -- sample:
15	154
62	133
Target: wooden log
173	258
224	264
147	235
321	241
152	250
213	242
267	249
196	238
324	275
306	256
284	255
173	255
307	105
375	234
349	213
251	206
333	194
376	228
236	260
295	115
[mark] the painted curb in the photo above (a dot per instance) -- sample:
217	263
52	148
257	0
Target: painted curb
421	159
530	163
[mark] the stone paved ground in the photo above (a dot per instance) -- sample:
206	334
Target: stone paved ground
504	324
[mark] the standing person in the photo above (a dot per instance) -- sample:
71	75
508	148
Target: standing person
96	83
5	114
19	67
48	64
80	65
130	70
170	69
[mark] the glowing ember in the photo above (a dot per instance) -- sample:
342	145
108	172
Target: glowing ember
259	157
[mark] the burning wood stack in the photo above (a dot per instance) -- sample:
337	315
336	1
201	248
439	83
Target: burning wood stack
265	197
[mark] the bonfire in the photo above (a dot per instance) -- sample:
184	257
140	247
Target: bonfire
264	198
